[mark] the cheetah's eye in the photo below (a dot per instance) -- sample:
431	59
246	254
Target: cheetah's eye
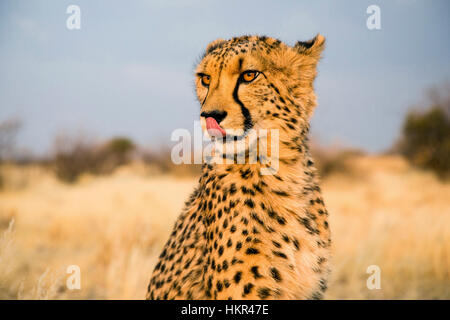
206	80
249	76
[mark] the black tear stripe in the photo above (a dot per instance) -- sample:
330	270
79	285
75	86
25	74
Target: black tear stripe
248	123
204	100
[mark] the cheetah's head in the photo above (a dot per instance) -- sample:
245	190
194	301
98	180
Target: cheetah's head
257	82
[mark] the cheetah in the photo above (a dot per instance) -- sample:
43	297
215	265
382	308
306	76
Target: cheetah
241	234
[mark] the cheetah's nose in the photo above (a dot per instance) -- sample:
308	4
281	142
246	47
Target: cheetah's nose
215	114
213	118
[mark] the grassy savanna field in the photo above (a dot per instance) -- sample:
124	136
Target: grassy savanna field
382	212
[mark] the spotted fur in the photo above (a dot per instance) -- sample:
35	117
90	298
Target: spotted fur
243	235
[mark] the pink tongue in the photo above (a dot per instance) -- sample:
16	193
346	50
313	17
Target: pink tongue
213	128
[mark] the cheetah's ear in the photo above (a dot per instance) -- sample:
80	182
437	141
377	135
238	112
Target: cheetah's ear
214	44
312	48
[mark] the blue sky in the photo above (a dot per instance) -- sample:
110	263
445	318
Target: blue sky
128	71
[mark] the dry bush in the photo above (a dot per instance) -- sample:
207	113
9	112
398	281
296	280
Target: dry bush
334	159
425	137
8	132
160	158
119	150
75	155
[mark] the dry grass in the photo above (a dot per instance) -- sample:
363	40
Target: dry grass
384	213
394	217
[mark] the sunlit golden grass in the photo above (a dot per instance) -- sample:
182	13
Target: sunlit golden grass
394	217
382	213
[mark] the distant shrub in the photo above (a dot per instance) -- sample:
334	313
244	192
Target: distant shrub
425	137
8	132
329	160
161	159
74	156
120	148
